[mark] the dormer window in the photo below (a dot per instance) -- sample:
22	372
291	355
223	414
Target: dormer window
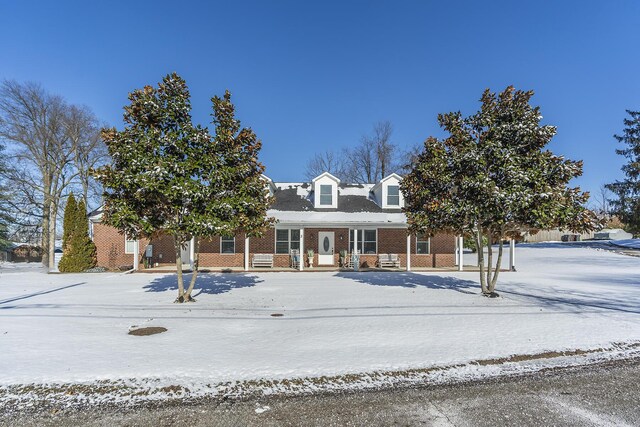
326	195
387	192
393	195
325	191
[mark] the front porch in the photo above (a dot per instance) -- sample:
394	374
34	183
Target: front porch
187	269
290	248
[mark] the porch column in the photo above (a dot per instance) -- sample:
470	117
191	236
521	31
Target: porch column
136	254
246	253
460	253
408	252
355	240
301	259
512	255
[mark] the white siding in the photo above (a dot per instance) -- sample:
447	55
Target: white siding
325	179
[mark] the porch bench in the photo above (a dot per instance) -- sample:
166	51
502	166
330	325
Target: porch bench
262	260
388	260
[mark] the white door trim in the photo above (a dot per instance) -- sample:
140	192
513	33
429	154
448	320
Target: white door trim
325	257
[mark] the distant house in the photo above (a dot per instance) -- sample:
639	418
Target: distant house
22	252
612	234
324	215
556	235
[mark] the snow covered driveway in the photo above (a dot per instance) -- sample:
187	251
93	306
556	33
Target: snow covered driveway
73	328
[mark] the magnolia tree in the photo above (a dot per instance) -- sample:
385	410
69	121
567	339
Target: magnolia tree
171	176
492	179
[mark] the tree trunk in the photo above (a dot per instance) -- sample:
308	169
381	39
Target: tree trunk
480	249
194	274
489	263
46	216
494	279
178	247
85	192
52	235
45	234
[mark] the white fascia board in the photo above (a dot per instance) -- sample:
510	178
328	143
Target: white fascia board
339	219
327	174
287	224
96	218
386	178
270	183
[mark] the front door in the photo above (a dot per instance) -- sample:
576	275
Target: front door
325	247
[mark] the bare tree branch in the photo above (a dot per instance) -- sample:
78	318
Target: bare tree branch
374	157
51	145
328	161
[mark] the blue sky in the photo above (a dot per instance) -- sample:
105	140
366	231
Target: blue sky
308	76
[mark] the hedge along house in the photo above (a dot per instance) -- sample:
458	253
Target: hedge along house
324	215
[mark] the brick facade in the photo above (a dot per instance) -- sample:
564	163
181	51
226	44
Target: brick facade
111	249
163	250
211	256
110	246
442	252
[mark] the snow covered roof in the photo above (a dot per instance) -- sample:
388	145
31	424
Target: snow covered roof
14	245
612	234
96	216
356	204
338	218
298	197
294	205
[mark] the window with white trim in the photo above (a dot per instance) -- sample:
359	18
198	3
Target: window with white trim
367	241
227	244
326	195
286	240
423	244
129	245
393	195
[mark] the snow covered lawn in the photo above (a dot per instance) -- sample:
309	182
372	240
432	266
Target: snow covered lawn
73	328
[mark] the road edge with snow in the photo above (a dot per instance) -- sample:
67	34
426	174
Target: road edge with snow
159	391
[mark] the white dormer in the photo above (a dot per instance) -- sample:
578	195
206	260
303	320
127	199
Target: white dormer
271	187
387	192
325	191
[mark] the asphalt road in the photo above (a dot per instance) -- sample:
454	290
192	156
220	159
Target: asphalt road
606	395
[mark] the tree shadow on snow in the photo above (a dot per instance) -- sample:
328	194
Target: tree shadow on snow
621	261
43	292
412	280
206	283
611	294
